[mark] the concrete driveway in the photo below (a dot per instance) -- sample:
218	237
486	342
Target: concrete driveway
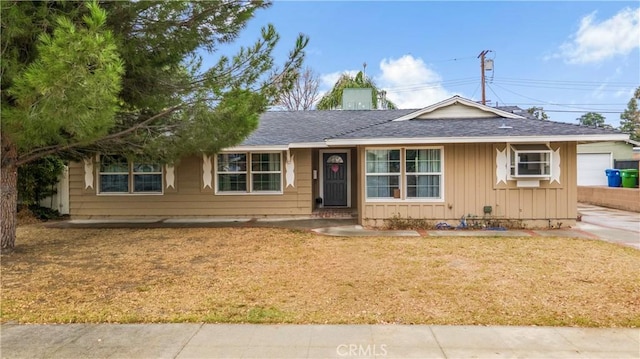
611	225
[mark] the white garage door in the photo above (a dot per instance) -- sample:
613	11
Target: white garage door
591	168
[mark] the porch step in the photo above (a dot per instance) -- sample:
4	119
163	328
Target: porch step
334	213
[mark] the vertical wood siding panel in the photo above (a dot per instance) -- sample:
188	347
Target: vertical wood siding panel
513	207
459	181
502	205
550	203
572	180
540	208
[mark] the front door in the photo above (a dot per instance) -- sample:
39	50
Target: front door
335	179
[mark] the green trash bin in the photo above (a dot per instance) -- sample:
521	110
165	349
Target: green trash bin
629	178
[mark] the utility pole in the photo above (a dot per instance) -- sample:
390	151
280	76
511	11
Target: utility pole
482	81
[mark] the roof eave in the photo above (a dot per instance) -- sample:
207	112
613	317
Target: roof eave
280	147
486	139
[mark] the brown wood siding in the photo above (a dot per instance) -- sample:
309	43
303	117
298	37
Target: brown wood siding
470	184
190	199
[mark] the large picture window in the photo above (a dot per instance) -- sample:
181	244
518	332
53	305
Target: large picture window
530	161
404	173
263	175
120	176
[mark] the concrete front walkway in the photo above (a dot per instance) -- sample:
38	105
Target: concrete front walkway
611	225
313	341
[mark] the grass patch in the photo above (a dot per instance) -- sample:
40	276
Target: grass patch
260	275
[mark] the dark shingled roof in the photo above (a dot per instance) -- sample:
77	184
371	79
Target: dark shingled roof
284	127
473	127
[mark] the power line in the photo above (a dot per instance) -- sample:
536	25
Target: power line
569	104
490	88
576	108
576	111
568	82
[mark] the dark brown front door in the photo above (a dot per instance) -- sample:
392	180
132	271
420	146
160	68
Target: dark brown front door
335	179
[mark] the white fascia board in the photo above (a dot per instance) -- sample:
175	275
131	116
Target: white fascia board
308	145
435	140
458	99
256	148
275	147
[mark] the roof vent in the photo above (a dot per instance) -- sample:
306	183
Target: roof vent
504	126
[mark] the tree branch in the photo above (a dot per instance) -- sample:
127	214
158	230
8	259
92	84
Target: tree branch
41	152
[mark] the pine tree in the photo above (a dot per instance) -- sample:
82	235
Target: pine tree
130	81
630	118
593	119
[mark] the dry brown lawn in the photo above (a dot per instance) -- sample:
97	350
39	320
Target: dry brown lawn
264	275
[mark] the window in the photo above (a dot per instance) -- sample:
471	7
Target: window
530	161
421	169
266	173
383	173
118	175
232	172
423	173
263	175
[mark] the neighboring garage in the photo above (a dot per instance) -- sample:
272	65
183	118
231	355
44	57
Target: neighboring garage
591	167
595	157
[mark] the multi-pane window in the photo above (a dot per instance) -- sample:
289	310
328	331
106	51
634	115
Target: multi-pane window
423	173
266	172
383	173
263	175
232	172
404	174
147	177
118	175
530	161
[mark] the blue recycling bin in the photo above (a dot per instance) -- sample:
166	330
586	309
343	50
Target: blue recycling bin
614	178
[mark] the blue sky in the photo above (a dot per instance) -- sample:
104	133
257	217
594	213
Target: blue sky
561	55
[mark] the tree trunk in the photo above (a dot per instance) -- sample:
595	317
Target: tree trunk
9	195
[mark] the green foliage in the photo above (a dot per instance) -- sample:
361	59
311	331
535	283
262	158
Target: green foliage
37	179
333	99
538	112
79	80
397	222
130	78
630	118
69	92
592	119
44	213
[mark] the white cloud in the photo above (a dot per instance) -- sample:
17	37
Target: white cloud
595	42
410	83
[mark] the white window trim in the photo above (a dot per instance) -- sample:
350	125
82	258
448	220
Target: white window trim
403	175
440	173
321	173
249	173
218	173
130	181
399	174
512	149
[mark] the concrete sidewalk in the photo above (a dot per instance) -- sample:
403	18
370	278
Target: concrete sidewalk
313	341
